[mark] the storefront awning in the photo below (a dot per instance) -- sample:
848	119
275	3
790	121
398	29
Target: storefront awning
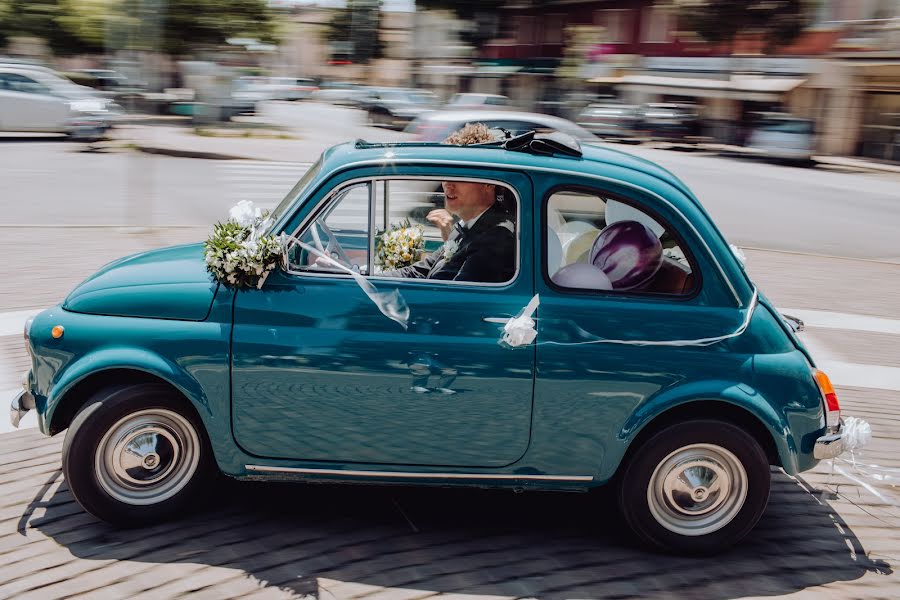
737	88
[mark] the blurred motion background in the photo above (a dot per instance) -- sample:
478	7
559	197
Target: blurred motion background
117	116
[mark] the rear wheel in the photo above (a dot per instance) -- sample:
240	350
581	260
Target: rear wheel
135	455
695	487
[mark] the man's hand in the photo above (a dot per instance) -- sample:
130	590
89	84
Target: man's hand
441	219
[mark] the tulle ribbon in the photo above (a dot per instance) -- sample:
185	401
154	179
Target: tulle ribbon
391	304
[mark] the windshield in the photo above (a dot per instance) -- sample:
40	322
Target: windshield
295	192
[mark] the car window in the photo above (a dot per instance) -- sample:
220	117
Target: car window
340	231
482	248
596	242
15	82
398	239
788	126
496	101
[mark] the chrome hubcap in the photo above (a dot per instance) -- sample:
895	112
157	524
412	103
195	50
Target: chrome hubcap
697	489
147	456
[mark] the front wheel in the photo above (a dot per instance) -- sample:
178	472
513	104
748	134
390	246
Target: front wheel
696	487
133	455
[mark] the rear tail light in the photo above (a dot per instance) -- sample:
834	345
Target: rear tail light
829	397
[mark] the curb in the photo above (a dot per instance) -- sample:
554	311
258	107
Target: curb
162	151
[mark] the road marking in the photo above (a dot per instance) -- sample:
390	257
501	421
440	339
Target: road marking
847	321
13	323
863	376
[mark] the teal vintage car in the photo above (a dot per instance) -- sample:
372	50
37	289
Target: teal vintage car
657	366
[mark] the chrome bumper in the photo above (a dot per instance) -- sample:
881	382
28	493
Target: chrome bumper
829	446
22	402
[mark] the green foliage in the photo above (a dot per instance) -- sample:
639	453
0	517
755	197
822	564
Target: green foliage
353	31
779	22
56	21
191	24
175	26
480	14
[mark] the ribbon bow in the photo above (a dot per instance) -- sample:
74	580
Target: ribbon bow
520	331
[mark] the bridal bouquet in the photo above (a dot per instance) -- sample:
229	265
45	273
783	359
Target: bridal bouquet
399	246
238	253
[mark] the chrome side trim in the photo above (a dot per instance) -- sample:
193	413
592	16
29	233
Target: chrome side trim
524	169
404	475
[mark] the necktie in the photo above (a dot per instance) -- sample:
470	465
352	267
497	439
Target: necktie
461	229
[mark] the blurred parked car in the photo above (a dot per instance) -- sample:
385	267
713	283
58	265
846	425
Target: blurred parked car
38	100
477	101
616	121
437	125
290	88
396	107
783	137
670	122
343	96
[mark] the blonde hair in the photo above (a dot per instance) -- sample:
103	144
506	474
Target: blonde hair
471	133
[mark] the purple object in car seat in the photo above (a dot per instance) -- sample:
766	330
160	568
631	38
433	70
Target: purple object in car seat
628	252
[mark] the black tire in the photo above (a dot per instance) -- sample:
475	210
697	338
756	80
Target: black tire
174	454
668	514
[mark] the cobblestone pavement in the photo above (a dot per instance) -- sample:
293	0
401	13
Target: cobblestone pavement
823	536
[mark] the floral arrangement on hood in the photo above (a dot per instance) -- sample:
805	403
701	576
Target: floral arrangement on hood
239	253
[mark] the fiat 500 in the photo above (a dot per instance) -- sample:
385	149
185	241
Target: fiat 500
657	365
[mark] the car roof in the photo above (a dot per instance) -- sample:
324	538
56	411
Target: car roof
595	160
475	115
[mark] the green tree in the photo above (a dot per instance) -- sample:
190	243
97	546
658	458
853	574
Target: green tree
777	22
353	31
481	15
174	26
55	21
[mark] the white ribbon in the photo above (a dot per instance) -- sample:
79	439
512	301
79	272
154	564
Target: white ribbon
856	434
391	304
520	331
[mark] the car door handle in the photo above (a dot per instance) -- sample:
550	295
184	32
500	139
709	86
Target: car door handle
500	320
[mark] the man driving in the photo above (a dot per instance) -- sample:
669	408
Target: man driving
481	246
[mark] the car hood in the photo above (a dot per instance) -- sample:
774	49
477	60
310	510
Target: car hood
169	283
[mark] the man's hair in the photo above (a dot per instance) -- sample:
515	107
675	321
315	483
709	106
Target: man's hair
471	133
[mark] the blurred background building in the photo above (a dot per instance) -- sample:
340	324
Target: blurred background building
833	63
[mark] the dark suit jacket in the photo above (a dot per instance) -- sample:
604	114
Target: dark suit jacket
486	253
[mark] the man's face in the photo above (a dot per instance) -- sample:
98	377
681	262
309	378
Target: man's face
466	199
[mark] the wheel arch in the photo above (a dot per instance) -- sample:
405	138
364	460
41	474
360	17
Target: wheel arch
117	367
748	411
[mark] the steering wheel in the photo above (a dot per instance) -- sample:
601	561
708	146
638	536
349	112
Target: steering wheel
333	247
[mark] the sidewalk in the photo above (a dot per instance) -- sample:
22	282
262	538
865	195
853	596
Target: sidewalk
183	142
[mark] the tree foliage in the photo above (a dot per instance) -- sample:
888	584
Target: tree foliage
353	31
481	15
193	24
173	26
778	22
58	22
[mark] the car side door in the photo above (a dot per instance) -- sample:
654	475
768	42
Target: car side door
319	374
618	272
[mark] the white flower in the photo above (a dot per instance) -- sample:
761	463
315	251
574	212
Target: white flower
245	213
450	248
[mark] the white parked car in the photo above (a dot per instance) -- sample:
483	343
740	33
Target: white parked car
784	138
38	100
470	100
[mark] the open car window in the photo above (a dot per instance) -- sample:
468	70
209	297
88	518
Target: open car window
382	228
595	242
